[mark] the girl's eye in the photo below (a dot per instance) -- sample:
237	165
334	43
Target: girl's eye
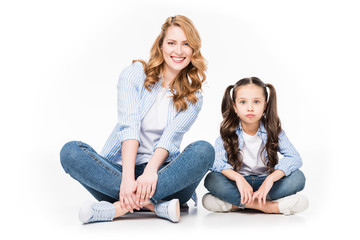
171	43
242	102
256	101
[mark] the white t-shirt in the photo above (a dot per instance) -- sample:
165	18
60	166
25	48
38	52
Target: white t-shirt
152	126
252	160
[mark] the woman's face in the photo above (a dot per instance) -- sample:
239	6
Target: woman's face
176	51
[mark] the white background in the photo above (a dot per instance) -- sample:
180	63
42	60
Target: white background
59	64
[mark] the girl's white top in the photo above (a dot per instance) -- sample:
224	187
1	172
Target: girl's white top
252	160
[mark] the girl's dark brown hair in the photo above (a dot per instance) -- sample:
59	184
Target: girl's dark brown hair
231	122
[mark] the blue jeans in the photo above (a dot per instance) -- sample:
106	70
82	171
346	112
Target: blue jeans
102	178
226	189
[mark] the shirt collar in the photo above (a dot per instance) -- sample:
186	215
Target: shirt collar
260	130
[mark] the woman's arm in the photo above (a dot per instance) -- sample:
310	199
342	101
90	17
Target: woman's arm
128	184
174	132
168	144
146	183
127	136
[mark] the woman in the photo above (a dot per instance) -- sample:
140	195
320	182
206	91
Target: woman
140	164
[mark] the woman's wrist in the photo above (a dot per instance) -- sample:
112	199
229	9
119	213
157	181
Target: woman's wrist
127	177
150	169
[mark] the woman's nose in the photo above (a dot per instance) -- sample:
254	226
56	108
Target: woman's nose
178	49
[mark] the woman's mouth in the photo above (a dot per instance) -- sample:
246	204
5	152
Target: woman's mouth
178	59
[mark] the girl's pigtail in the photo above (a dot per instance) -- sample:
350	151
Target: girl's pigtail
227	129
272	125
227	103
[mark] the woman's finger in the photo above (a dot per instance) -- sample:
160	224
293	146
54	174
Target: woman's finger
138	195
153	188
143	195
242	196
122	204
264	199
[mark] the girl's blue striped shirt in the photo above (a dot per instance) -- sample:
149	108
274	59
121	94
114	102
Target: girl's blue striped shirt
290	161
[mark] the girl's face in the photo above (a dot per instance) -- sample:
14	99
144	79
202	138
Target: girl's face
176	51
250	103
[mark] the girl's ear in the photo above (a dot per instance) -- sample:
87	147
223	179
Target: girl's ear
234	106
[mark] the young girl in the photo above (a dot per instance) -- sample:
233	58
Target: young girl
140	164
247	172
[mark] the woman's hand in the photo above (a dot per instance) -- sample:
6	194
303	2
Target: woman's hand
146	186
263	191
127	195
246	191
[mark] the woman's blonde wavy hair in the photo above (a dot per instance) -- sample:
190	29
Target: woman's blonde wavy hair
190	79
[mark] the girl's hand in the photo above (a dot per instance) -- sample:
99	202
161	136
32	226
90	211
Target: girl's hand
266	186
246	191
263	191
127	195
146	186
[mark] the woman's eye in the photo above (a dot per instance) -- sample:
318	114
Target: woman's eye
256	101
171	43
242	102
186	44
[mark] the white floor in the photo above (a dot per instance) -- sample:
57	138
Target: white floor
53	214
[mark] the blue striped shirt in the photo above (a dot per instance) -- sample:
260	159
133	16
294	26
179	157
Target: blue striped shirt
290	161
134	101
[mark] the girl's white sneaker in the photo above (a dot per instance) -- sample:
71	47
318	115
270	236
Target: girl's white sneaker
292	204
215	204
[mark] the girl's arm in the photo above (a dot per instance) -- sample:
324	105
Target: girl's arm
246	191
220	162
291	160
221	165
146	183
265	187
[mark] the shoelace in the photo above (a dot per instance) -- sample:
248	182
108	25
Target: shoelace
102	212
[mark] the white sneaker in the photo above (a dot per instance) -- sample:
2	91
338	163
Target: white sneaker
292	204
169	210
215	204
96	212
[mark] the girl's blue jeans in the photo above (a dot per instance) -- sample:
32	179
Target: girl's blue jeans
226	189
102	178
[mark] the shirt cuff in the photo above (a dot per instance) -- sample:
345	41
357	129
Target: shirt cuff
129	133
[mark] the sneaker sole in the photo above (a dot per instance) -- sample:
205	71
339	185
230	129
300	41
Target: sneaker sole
85	212
174	204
